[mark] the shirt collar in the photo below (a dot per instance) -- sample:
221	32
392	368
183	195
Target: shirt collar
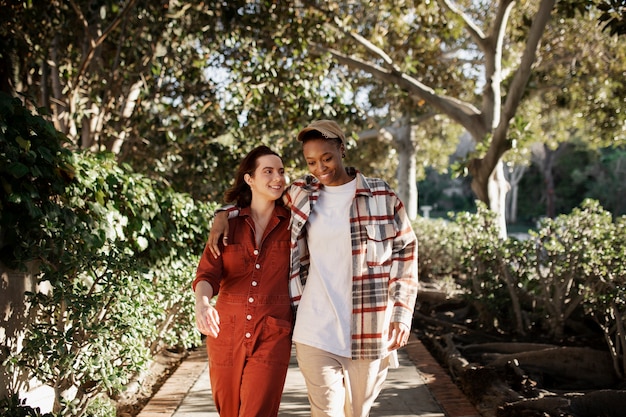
362	188
279	211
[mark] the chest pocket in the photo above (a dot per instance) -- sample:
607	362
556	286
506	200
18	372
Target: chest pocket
236	259
278	255
379	243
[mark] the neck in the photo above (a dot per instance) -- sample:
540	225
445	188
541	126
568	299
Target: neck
345	178
261	211
262	208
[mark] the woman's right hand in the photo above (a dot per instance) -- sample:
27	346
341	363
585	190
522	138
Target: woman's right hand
207	319
219	228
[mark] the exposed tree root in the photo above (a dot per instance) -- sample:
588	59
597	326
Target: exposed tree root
572	367
604	403
522	379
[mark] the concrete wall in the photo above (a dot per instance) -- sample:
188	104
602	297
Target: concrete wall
13	319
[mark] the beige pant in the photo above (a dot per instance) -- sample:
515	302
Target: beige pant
338	386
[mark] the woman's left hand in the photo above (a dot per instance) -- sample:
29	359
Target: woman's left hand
398	335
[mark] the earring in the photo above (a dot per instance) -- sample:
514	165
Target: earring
343	155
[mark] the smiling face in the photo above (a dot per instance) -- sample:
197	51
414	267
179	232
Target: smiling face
324	159
268	179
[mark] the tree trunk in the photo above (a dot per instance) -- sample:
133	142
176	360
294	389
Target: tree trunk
514	175
549	184
401	136
407	186
59	106
544	158
491	187
498	189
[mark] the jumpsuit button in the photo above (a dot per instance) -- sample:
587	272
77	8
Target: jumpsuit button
257	266
248	335
256	251
254	283
249	317
251	300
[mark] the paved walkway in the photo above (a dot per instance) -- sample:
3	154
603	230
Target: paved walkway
419	387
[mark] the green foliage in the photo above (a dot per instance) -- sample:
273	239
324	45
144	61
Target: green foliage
183	89
565	249
445	193
573	266
101	406
612	13
438	250
579	172
12	406
116	253
589	101
34	170
586	249
493	276
613	16
608	177
118	279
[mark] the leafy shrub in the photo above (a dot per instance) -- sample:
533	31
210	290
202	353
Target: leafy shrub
118	279
580	265
496	274
563	249
438	248
12	406
604	287
34	170
573	266
116	254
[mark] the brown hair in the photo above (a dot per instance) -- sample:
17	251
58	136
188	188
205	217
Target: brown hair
240	192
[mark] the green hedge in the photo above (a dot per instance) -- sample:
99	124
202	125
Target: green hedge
116	253
572	267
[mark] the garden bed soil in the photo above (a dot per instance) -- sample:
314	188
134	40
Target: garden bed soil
512	376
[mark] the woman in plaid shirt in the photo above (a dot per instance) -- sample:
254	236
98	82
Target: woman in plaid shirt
353	278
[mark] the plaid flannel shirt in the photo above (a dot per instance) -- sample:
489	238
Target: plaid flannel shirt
384	258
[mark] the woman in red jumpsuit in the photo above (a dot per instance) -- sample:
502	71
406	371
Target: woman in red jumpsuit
249	328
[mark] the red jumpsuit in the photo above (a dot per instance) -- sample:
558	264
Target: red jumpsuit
248	360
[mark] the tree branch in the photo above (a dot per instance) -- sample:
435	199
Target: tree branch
95	43
520	79
475	32
464	113
500	144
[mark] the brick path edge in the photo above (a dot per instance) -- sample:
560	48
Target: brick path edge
172	393
452	400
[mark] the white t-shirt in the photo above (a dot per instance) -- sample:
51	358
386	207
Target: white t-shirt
324	314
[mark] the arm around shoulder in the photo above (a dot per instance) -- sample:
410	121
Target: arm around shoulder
220	228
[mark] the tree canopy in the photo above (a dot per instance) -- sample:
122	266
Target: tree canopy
182	89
